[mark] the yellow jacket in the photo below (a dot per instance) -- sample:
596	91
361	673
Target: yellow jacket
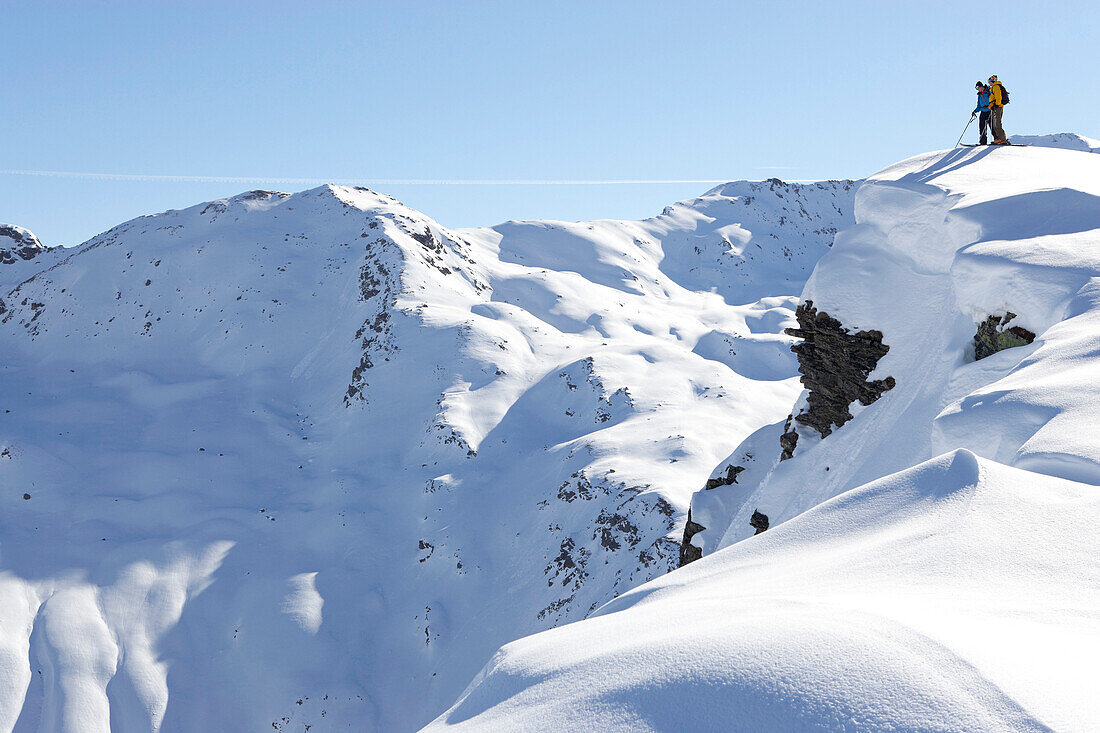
995	95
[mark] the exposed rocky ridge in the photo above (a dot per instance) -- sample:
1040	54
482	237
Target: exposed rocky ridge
17	243
835	364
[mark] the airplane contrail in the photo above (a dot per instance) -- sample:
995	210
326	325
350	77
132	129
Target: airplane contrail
360	181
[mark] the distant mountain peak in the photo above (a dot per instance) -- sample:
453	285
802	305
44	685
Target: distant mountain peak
17	243
1063	140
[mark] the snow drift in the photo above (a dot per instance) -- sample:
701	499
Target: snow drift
891	607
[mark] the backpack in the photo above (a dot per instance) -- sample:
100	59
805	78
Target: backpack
1004	95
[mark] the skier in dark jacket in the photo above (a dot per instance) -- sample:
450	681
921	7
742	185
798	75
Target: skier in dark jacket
983	111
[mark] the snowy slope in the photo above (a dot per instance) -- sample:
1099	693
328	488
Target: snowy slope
287	460
930	556
944	241
751	240
891	607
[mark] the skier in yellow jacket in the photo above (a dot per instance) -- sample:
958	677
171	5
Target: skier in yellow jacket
997	108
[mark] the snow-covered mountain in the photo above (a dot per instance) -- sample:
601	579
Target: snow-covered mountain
17	243
944	242
914	546
307	460
22	255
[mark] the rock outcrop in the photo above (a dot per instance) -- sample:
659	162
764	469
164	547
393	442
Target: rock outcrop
730	477
994	335
16	243
835	365
688	552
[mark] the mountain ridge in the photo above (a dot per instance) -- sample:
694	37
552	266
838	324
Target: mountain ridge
336	437
344	453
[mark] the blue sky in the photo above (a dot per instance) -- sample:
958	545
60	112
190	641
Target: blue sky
640	90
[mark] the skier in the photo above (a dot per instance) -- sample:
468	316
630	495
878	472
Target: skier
983	110
997	100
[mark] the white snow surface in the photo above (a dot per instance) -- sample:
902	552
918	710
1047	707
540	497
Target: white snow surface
944	240
932	564
1064	140
279	461
891	607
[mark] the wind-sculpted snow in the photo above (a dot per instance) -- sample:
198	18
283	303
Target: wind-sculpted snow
279	461
751	240
922	559
943	242
957	595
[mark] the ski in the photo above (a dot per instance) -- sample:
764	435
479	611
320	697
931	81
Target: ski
991	145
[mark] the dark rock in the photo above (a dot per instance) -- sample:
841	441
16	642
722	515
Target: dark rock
375	335
17	244
758	521
260	194
612	527
730	477
834	364
427	240
993	336
787	442
688	552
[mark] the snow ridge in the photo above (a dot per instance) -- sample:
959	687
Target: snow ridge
18	243
929	559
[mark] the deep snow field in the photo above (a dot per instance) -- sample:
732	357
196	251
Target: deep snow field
311	461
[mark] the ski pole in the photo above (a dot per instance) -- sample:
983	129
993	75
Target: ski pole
964	130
